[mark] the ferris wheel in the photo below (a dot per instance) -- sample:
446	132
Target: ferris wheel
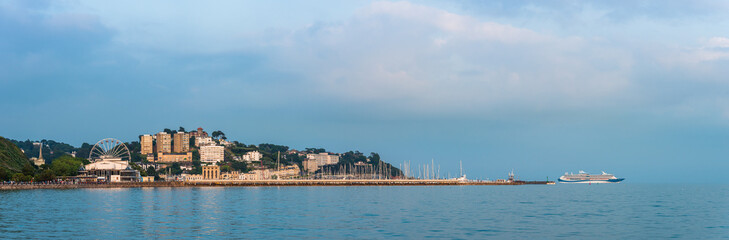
109	149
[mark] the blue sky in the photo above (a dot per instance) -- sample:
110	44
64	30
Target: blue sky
635	88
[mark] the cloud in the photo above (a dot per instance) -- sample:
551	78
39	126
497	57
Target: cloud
419	58
718	42
704	60
614	11
715	48
389	57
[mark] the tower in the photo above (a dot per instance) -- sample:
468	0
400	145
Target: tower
39	161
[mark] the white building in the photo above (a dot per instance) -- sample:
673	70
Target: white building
323	158
212	154
110	170
225	143
252	156
204	141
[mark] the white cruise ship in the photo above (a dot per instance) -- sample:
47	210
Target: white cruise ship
583	177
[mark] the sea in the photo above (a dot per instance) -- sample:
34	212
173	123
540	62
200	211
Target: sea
562	211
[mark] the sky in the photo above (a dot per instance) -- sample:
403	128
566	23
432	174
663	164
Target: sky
639	89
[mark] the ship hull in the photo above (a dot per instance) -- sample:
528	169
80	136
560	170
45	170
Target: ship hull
617	180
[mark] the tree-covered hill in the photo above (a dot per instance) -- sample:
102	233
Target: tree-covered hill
11	157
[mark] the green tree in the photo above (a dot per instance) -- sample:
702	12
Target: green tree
138	157
19	177
316	150
152	172
218	133
227	155
4	174
196	166
28	169
134	146
176	169
84	150
239	166
272	148
45	175
66	165
195	155
138	168
375	158
182	129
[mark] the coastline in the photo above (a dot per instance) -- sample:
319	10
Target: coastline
269	183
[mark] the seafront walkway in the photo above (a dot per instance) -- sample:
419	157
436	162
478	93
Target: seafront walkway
263	183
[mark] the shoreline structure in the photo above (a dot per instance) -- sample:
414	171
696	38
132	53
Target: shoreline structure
273	183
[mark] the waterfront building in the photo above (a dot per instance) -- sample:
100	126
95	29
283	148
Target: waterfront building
323	158
287	172
252	156
234	175
181	142
310	166
258	174
147	179
204	141
174	157
212	154
164	143
109	170
147	142
211	172
191	177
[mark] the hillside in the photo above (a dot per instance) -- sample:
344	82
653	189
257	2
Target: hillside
10	156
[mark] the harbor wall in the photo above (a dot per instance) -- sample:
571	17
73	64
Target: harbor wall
263	183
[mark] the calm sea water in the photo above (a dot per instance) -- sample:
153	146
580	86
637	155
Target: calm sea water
606	211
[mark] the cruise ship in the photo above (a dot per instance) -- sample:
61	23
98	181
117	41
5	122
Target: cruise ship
583	177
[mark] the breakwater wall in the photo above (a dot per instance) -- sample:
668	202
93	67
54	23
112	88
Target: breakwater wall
264	183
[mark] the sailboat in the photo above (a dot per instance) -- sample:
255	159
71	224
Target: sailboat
463	176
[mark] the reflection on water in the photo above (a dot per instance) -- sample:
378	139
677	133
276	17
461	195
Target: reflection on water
562	211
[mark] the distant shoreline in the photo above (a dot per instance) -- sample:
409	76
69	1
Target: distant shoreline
267	183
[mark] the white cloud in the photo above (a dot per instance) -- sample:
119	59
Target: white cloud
408	57
718	42
715	48
425	59
699	61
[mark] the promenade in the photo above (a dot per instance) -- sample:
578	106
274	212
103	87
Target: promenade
264	183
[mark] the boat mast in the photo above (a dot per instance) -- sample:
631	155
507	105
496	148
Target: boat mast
461	162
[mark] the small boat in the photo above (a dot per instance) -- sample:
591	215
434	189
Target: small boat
583	177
